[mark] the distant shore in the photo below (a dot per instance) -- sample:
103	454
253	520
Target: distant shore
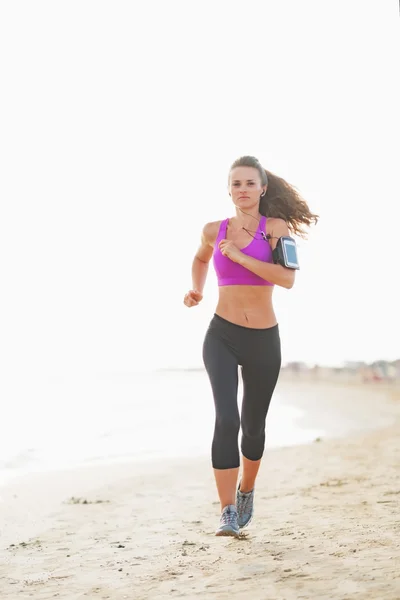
387	375
344	377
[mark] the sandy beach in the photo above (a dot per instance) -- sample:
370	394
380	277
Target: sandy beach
326	526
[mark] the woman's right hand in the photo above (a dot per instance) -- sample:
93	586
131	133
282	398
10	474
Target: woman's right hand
192	298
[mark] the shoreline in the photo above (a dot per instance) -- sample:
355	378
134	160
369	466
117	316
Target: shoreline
326	527
338	425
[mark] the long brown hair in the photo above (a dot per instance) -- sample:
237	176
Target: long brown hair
282	200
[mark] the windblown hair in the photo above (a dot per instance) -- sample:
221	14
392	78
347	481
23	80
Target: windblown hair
282	200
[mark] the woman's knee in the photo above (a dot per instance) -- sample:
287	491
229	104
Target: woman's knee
253	444
227	425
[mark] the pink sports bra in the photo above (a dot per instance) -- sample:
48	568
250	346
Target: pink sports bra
231	273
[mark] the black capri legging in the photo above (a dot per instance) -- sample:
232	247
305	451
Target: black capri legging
258	352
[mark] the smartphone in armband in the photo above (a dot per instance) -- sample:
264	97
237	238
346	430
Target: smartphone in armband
285	253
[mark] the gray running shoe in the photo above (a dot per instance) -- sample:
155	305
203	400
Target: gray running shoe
245	507
228	524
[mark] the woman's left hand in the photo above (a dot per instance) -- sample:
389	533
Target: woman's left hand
229	249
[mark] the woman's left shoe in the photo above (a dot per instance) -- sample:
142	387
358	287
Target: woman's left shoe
245	507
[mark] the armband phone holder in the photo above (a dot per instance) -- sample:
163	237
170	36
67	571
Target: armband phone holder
285	253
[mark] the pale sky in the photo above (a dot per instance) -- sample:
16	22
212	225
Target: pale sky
119	122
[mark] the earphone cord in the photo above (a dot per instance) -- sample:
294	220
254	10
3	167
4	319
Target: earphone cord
264	236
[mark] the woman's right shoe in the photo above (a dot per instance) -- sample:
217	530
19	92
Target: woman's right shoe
228	524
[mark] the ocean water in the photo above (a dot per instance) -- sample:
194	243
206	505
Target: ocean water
74	421
66	422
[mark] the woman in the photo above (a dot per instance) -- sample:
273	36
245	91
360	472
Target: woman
244	330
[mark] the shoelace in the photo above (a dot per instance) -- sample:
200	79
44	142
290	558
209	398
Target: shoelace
229	517
247	502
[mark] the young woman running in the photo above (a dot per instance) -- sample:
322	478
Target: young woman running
244	331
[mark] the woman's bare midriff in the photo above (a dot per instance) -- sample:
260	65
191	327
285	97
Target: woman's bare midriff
247	305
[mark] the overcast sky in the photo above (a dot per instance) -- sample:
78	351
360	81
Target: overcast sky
119	123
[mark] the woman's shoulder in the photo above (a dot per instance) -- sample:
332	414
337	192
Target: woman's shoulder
277	225
211	230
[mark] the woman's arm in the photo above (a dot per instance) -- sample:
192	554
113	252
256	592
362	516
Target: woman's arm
200	264
203	256
270	272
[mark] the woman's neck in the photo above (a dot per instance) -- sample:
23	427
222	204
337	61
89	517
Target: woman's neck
248	218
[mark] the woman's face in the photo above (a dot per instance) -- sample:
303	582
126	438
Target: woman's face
245	187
